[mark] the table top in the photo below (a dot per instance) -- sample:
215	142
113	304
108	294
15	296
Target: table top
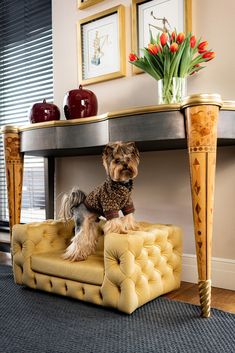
160	127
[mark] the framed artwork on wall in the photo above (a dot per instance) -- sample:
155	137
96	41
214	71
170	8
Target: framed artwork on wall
101	46
83	4
153	14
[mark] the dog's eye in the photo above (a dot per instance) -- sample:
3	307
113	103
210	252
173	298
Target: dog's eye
117	161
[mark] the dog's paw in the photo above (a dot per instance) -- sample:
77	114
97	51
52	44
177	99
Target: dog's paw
134	226
74	257
115	226
123	231
72	254
68	256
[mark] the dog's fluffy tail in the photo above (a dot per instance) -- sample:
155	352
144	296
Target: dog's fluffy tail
71	201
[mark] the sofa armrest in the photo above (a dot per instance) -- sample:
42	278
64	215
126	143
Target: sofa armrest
32	238
141	265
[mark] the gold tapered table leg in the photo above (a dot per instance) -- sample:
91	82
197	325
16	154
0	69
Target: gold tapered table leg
14	160
201	128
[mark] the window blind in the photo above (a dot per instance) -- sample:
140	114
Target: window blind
26	77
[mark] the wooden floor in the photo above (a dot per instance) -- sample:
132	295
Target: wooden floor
222	299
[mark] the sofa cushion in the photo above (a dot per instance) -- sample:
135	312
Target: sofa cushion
88	271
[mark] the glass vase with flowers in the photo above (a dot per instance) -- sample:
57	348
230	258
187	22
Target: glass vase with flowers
169	59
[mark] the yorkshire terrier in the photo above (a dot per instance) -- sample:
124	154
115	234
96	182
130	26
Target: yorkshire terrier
120	160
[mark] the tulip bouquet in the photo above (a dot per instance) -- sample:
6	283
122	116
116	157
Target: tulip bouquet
171	56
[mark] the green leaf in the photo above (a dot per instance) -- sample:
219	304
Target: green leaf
152	41
141	64
154	63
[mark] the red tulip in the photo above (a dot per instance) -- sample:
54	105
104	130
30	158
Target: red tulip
192	41
173	36
202	47
174	47
209	55
163	38
132	57
202	51
153	49
180	37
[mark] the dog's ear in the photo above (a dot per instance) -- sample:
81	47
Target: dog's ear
107	156
131	144
134	150
108	150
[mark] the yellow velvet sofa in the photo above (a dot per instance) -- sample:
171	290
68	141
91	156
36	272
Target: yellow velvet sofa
127	270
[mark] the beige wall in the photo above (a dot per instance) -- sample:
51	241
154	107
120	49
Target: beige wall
162	191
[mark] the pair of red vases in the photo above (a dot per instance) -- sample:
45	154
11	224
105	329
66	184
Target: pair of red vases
78	103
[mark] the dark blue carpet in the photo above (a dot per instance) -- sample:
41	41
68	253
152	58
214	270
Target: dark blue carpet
38	322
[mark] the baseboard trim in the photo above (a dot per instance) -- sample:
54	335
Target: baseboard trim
223	271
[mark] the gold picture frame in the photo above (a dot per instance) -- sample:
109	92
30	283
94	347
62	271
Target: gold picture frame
83	4
95	60
187	24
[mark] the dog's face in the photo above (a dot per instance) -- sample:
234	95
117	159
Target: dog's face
121	160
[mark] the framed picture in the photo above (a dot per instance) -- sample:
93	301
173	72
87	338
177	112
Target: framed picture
82	4
153	15
101	46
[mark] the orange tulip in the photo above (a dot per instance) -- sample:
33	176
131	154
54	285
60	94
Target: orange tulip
180	37
209	55
153	49
174	47
132	57
163	38
192	41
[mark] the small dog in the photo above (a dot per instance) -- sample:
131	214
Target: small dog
121	162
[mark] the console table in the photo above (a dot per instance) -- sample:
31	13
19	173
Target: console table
192	125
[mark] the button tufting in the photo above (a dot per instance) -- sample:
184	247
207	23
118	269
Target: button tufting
146	272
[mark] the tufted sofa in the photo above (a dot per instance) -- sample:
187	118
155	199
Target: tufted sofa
127	270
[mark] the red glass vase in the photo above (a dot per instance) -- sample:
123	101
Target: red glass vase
41	112
80	103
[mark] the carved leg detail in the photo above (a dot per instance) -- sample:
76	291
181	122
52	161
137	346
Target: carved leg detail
14	173
205	297
201	123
